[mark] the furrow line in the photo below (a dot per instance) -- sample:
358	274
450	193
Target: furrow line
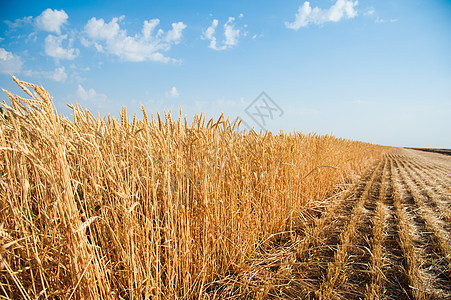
438	181
394	265
438	238
437	201
441	178
339	271
432	161
430	166
421	163
416	241
317	248
375	289
417	287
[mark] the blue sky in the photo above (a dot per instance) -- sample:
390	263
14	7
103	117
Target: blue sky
376	71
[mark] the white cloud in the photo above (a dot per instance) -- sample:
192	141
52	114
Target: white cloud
99	30
256	36
209	33
379	20
75	67
173	93
52	20
231	35
32	37
370	11
10	63
31	73
149	45
306	14
175	34
59	75
1	39
90	95
54	48
19	22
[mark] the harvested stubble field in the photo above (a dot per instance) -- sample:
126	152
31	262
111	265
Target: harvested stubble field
434	150
101	208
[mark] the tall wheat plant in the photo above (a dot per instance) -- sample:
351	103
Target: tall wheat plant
106	208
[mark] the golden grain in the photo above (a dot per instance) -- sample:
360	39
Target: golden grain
153	207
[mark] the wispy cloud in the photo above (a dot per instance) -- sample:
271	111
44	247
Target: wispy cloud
19	22
173	93
59	75
90	95
379	20
231	34
147	46
51	20
54	47
32	37
369	11
10	63
306	14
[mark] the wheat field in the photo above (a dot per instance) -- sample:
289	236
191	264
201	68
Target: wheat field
163	208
